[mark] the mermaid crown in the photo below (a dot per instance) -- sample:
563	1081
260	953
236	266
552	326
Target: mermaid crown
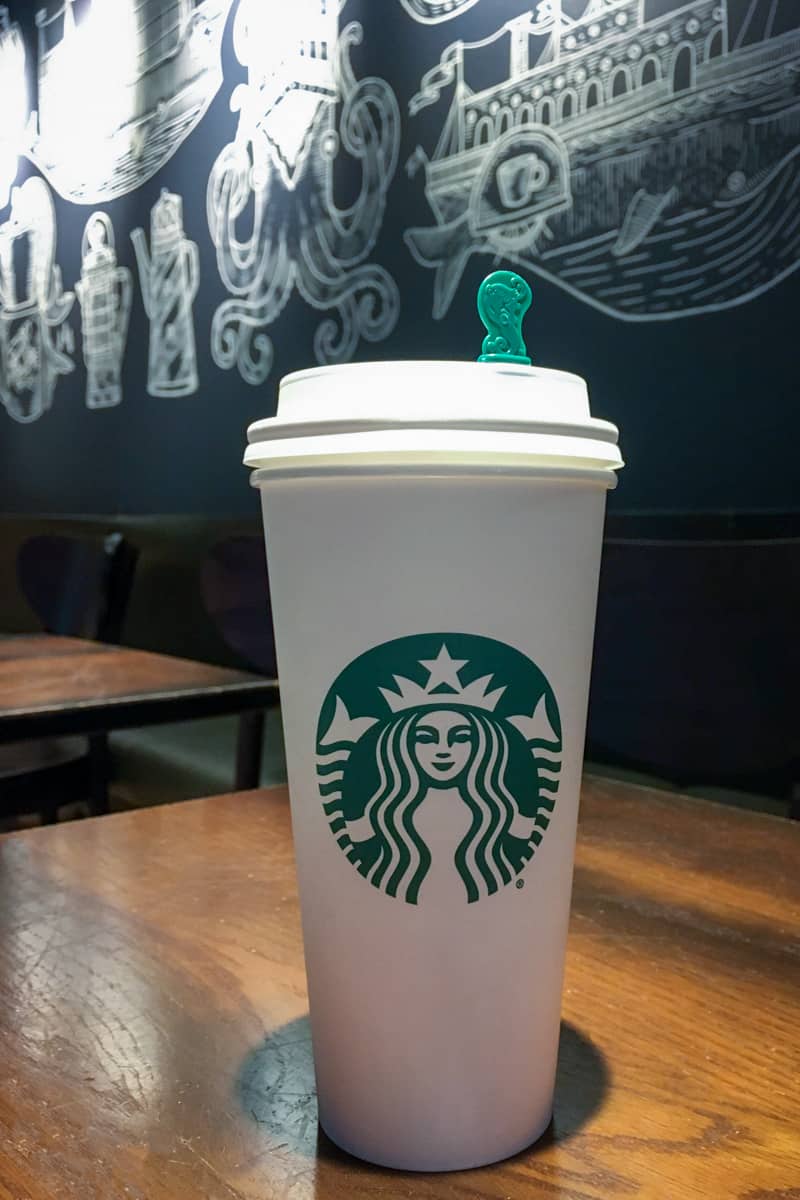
444	687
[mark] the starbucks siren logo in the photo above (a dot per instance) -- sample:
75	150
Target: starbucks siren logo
439	719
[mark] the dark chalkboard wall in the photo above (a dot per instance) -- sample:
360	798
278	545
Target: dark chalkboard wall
637	162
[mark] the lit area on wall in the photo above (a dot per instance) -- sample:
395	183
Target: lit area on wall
120	88
14	102
87	80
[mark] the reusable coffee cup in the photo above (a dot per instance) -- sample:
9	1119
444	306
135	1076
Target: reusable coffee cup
433	535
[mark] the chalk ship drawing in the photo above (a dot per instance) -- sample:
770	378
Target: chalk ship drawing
120	90
13	102
170	277
35	342
301	112
431	12
104	295
646	164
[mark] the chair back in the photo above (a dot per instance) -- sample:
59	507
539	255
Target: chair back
78	587
235	589
697	660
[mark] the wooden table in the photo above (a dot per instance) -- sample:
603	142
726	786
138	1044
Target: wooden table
154	1041
51	686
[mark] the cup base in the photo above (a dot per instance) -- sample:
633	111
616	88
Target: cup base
427	1160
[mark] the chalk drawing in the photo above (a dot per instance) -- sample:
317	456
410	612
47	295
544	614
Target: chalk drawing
170	276
432	12
301	111
104	295
35	341
645	162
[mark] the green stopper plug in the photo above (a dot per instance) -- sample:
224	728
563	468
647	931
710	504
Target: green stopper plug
503	299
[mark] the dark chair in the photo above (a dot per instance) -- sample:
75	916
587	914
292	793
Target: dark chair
77	588
235	590
696	672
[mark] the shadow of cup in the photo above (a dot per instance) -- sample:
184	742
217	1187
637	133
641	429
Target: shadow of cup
276	1090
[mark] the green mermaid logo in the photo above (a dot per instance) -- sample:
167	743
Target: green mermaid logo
438	732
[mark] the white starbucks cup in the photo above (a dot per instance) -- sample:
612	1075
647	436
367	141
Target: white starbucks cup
433	536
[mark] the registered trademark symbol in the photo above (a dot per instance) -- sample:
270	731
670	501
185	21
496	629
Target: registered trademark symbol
520	883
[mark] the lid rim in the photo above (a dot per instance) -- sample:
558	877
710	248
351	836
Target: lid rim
555	471
277	430
411	444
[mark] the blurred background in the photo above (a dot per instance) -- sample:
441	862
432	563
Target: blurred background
198	196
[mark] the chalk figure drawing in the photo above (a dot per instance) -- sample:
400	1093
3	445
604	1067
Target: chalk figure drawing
35	342
431	12
104	294
170	276
13	101
646	163
120	89
301	111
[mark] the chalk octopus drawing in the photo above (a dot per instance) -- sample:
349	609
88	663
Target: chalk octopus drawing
301	112
646	162
35	341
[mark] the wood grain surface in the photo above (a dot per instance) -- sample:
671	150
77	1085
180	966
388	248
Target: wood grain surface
54	685
154	1042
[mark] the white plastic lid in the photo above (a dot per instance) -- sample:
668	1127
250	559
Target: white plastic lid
433	413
